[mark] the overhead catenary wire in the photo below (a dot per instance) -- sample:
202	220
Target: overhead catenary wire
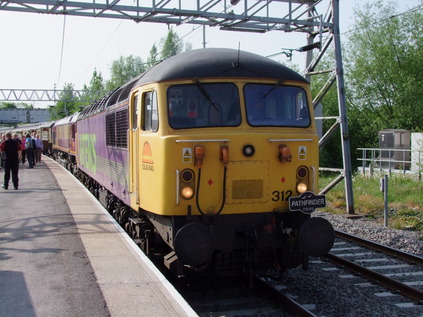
419	7
102	49
62	49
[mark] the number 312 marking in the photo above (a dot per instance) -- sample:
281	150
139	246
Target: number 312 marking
281	196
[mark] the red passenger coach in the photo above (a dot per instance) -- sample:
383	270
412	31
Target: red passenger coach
63	135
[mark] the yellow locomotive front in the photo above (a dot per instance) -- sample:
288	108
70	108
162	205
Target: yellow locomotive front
224	167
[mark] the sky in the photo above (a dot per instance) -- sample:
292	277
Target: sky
31	44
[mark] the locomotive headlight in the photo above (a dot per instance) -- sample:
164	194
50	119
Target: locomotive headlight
187	192
302	179
301	187
187	183
248	150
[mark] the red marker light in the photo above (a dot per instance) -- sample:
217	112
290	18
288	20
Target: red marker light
199	152
284	153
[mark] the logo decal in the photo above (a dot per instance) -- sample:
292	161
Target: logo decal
87	152
147	156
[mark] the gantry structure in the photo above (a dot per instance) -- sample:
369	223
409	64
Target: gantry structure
50	95
317	19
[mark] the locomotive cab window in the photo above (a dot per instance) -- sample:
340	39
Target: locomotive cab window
273	105
134	112
150	112
203	105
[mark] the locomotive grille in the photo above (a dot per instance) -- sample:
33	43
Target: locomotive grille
116	128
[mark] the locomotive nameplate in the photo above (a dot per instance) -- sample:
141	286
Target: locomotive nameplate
307	202
251	187
247	189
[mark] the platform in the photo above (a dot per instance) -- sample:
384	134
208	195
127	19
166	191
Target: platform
62	254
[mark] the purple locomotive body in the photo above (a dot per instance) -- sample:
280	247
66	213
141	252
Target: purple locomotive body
102	149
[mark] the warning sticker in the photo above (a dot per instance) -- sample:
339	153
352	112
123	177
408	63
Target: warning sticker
302	152
187	155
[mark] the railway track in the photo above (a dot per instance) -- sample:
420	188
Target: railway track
288	304
406	266
272	297
240	297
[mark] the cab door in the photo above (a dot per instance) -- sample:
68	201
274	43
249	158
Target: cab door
134	160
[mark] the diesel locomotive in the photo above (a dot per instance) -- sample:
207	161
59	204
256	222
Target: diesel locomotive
210	158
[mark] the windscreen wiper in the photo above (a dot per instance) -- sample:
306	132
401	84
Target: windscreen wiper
206	94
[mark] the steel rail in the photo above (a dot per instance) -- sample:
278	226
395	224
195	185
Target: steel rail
407	257
291	306
378	278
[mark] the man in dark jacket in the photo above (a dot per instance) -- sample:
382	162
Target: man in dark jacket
10	147
30	150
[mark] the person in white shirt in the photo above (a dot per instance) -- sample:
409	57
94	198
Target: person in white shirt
38	148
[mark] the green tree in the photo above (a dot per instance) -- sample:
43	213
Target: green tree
123	70
25	105
383	72
12	105
384	63
91	92
67	103
171	45
8	105
153	58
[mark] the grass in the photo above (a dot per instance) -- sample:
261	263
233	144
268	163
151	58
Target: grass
405	199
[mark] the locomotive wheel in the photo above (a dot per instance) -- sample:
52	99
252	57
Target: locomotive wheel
128	229
124	215
142	232
111	205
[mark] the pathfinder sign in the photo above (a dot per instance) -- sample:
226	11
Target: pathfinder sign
307	202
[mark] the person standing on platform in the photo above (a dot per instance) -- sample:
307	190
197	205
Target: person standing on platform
16	137
23	149
29	151
10	148
3	138
38	148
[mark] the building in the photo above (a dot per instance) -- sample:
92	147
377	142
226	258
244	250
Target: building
19	115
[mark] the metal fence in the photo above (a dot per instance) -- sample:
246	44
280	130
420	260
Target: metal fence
391	160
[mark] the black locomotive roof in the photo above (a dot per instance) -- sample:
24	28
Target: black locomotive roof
201	63
218	63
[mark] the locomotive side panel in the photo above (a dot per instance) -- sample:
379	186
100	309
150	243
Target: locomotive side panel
102	150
